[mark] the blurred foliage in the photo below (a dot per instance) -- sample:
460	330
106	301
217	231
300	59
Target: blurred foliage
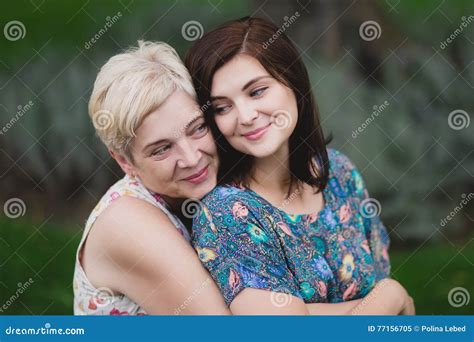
412	161
45	253
68	25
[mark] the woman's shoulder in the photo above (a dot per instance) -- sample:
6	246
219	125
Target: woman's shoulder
129	191
343	171
126	212
121	233
339	161
130	208
223	190
131	187
124	187
226	209
226	195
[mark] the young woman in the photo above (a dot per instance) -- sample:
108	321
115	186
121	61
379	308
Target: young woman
286	218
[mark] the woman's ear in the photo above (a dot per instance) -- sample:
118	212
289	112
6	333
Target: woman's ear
124	163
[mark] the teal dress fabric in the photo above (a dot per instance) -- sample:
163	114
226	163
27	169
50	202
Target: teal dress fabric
335	255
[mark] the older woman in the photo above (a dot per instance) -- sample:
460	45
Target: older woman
135	256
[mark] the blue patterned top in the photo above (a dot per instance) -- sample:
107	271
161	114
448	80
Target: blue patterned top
334	255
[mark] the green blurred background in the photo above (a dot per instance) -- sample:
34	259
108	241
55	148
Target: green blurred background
416	155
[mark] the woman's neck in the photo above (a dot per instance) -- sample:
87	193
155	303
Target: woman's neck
272	174
271	179
176	206
174	203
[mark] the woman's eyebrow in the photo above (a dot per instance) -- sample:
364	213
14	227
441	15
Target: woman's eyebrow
248	84
252	81
153	143
196	118
213	98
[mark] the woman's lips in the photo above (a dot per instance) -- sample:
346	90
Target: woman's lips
198	177
257	134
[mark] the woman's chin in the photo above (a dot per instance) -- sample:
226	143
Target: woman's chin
261	151
200	190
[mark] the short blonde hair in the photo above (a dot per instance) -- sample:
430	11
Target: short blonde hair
130	86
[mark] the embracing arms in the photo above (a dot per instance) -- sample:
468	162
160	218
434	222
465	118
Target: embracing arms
135	250
388	297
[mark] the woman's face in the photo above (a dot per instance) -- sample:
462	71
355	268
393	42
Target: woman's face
256	113
174	151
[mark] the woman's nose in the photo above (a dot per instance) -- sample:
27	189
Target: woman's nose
246	115
190	155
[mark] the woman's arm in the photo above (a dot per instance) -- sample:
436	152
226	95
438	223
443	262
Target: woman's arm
135	250
323	309
388	297
252	301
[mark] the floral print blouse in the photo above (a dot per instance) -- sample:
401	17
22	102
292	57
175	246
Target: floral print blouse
335	255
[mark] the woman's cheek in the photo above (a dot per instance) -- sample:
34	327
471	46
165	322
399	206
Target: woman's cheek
208	144
224	124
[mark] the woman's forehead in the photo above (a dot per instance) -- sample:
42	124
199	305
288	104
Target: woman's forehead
171	119
236	73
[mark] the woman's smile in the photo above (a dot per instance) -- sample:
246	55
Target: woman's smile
199	176
257	133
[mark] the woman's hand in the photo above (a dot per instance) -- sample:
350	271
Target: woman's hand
409	306
388	297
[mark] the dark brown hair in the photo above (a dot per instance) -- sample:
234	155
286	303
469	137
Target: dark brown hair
266	43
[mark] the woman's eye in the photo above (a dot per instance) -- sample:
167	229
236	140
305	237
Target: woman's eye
201	129
160	151
258	92
220	110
